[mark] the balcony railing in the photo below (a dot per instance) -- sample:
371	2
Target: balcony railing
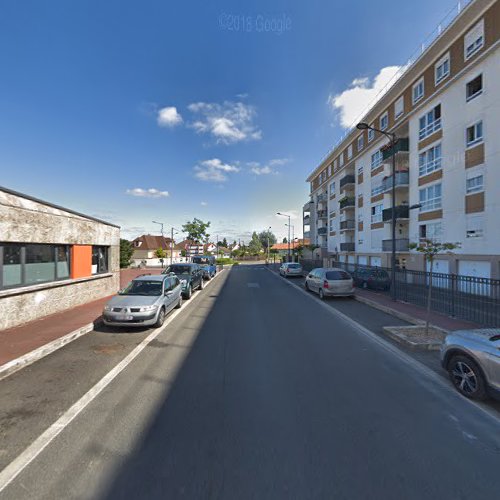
346	225
402	145
402	179
347	202
347	247
402	212
347	179
322	214
401	245
322	230
322	197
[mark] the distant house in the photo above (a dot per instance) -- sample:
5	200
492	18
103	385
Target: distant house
145	246
282	248
223	252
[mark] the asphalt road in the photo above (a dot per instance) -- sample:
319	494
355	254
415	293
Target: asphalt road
262	392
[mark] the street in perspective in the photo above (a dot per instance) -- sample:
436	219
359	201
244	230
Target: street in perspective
263	266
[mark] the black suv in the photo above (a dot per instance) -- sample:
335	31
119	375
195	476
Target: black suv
190	276
376	279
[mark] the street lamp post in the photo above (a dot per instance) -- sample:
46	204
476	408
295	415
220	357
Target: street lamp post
393	139
293	238
268	230
286	215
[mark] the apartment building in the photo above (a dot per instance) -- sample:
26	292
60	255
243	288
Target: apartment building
445	112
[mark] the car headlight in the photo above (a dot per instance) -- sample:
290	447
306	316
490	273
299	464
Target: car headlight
183	282
148	308
108	308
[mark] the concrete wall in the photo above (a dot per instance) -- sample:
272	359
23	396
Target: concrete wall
24	220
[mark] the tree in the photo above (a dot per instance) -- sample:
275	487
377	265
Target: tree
126	252
196	230
263	237
224	243
285	240
160	254
430	248
255	246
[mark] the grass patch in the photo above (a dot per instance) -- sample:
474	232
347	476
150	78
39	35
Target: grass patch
226	261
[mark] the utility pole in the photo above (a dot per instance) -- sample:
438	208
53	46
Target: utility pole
268	231
286	215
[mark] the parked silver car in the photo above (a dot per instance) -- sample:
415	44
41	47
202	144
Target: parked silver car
145	301
472	359
289	269
329	282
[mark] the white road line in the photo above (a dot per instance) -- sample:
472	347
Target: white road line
32	451
417	365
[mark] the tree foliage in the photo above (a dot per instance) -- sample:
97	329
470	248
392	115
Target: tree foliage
160	253
126	252
196	230
263	237
255	245
285	240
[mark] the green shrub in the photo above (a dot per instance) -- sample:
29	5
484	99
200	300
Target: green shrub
226	261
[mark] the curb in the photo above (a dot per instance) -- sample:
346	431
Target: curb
392	332
27	359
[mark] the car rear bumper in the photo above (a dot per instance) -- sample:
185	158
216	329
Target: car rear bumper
332	293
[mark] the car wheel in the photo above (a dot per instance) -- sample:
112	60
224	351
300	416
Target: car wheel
306	286
161	318
188	293
467	377
321	294
179	304
201	284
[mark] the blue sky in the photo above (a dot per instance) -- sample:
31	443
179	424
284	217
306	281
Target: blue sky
160	110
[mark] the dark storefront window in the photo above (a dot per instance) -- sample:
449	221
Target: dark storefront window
99	260
29	264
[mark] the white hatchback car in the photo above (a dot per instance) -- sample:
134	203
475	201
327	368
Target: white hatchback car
289	269
329	282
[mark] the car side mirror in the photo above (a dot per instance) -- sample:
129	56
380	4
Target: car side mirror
168	293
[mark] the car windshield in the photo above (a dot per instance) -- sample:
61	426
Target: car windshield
142	287
294	266
179	269
201	260
337	275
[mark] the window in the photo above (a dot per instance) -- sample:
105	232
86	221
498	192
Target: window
474	40
474	184
329	170
442	69
430	122
361	142
430	198
332	188
431	231
99	260
377	189
399	107
384	121
360	170
30	264
332	224
371	134
377	213
474	134
341	160
474	226
376	159
349	152
335	164
429	160
418	91
474	88
360	217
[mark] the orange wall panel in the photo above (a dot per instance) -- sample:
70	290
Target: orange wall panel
81	261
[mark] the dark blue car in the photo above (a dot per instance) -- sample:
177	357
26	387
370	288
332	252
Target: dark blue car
207	263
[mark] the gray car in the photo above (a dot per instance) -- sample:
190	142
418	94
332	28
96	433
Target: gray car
329	282
289	269
472	359
145	301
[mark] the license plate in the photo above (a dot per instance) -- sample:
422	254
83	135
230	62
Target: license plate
124	317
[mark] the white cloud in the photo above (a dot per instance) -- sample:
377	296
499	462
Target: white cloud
270	168
228	123
353	102
147	193
262	170
203	203
214	170
168	117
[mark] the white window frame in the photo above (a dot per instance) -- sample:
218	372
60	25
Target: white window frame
377	187
430	126
361	142
349	151
478	139
399	107
371	134
332	224
341	160
474	226
431	201
430	160
332	188
442	62
474	183
469	98
376	159
360	169
415	86
377	215
433	231
474	40
384	118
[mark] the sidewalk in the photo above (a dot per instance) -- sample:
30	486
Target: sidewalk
20	340
410	312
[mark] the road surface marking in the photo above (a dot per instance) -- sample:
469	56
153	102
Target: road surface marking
253	285
12	470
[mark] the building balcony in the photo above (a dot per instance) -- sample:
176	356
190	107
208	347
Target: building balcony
322	197
348	202
402	181
347	180
322	214
347	247
402	212
402	146
401	245
308	206
322	231
307	234
347	225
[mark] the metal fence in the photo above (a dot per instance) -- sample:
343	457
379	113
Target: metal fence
466	297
